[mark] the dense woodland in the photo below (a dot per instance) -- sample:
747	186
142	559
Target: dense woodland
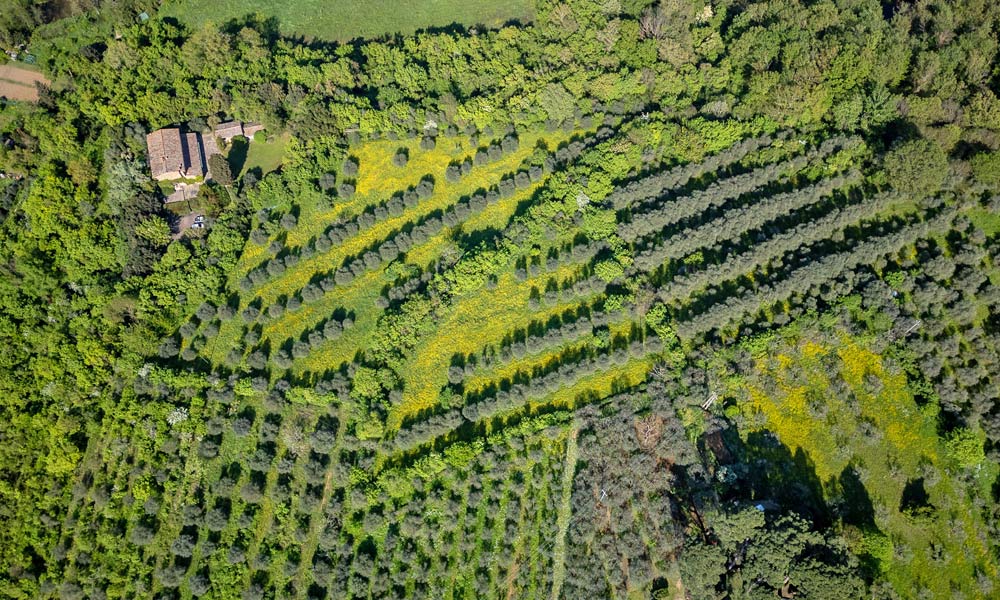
633	299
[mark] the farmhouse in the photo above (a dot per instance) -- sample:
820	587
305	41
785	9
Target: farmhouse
175	155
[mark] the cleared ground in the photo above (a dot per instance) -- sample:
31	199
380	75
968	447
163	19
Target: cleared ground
18	83
346	20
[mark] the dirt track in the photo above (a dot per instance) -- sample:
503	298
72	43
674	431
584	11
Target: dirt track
17	83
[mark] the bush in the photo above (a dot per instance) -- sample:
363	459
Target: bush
205	312
169	348
327	181
259	236
350	168
401	157
917	167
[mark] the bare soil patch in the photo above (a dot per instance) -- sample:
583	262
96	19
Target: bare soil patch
17	83
21	75
17	91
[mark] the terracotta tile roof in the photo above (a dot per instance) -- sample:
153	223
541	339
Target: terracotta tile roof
194	162
229	130
166	155
249	129
209	145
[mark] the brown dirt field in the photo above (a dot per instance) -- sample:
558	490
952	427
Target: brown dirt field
17	91
17	83
21	75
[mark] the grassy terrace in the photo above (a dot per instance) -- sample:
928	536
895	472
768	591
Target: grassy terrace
377	173
475	321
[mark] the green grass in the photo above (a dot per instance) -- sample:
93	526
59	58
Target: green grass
789	394
348	19
376	175
266	155
565	513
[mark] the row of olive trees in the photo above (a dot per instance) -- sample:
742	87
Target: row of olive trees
654	186
736	222
659	215
309	341
395	206
390	248
335	234
582	251
760	254
808	277
508	490
497	400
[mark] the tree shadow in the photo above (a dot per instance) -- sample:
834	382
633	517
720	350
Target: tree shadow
855	509
237	156
772	473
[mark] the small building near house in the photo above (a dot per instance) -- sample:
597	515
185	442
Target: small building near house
228	130
250	129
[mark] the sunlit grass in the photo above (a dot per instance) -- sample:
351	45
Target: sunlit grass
906	447
344	21
378	177
473	322
376	169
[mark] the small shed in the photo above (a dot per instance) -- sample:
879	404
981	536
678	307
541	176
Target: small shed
228	130
250	129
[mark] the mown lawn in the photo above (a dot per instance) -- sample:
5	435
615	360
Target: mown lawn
266	154
345	20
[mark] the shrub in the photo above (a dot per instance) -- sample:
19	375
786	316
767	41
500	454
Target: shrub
205	312
169	348
259	236
350	168
327	181
401	157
